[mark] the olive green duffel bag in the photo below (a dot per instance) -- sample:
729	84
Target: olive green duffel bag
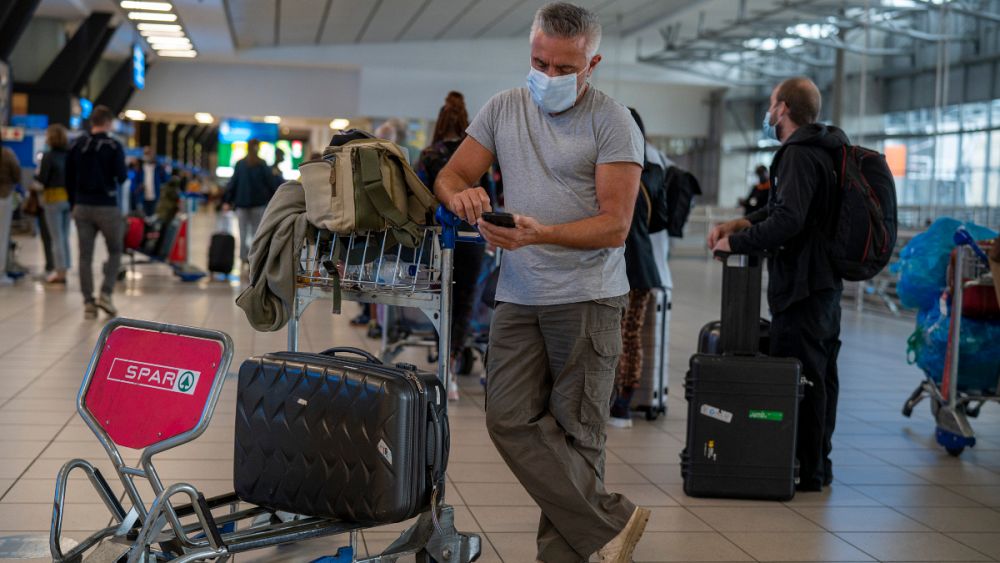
366	186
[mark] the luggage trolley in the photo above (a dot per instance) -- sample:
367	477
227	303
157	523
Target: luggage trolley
951	406
152	387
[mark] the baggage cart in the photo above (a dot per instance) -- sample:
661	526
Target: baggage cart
131	397
951	405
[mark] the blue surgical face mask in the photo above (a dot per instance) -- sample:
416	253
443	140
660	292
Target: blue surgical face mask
554	94
770	131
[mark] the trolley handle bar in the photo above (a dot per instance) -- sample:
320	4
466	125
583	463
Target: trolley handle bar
964	238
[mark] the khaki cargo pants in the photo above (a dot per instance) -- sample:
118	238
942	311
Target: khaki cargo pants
551	370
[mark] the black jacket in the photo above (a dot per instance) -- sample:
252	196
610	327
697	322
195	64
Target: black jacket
251	185
52	169
793	227
640	264
95	167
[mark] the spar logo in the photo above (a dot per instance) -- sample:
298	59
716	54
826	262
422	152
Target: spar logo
154	376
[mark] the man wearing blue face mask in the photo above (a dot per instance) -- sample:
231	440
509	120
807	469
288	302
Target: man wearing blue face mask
803	289
571	159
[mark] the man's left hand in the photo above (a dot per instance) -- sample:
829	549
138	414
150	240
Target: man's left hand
526	232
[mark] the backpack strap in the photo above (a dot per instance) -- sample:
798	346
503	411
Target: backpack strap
406	231
649	202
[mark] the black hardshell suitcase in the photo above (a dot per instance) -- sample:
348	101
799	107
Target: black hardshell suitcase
340	437
221	252
742	406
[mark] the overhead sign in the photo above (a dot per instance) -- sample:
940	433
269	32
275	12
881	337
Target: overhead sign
138	67
236	131
30	121
86	107
12	134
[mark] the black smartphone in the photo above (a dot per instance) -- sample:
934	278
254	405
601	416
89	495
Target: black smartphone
505	220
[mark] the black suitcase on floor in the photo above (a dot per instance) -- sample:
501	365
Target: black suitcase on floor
221	253
742	406
340	435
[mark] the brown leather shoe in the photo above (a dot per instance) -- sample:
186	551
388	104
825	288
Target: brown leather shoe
620	548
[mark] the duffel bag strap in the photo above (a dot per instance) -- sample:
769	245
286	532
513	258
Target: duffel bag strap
406	231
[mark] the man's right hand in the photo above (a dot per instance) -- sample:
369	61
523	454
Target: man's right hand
469	204
723	230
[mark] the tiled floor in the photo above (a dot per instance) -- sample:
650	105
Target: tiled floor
897	495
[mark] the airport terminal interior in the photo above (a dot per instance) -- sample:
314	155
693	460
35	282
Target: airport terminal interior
187	112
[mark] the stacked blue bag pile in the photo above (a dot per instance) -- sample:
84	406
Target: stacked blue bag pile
923	272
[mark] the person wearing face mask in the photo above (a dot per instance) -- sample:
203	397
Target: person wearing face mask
803	289
571	158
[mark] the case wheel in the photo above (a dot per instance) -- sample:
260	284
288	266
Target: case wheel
955	452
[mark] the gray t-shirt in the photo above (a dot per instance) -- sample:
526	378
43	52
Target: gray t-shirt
549	165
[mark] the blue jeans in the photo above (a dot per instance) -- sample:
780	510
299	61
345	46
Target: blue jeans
57	220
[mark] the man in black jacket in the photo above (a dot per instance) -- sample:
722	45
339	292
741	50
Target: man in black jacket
95	168
803	289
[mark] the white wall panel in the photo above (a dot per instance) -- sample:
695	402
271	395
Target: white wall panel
248	90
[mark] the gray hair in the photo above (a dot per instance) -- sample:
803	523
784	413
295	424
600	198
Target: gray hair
567	21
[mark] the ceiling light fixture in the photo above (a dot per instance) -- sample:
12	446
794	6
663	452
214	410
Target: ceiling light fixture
178	54
170	42
149	34
204	118
159	27
151	6
275	119
134	115
340	123
152	17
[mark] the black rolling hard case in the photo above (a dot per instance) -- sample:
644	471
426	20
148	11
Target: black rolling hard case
340	435
742	406
221	251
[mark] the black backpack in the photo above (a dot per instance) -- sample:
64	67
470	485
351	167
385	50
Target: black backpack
863	234
681	189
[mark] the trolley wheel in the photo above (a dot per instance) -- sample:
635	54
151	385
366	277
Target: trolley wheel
466	361
955	452
973	411
652	414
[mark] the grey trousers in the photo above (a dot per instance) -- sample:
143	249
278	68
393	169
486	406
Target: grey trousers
551	370
90	220
250	218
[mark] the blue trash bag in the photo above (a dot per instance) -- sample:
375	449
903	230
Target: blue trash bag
923	264
979	356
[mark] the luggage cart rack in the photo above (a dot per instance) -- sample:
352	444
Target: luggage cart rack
152	387
951	406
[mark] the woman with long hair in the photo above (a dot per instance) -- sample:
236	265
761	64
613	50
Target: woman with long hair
449	131
55	200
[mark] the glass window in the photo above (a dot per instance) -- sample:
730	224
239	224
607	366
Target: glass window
972	171
895	123
975	116
951	119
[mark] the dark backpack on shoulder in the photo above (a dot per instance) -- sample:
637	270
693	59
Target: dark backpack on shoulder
681	189
864	232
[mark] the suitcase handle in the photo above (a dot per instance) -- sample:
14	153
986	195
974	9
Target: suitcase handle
348	350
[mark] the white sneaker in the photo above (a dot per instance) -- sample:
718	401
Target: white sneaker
616	422
452	391
621	547
6	281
